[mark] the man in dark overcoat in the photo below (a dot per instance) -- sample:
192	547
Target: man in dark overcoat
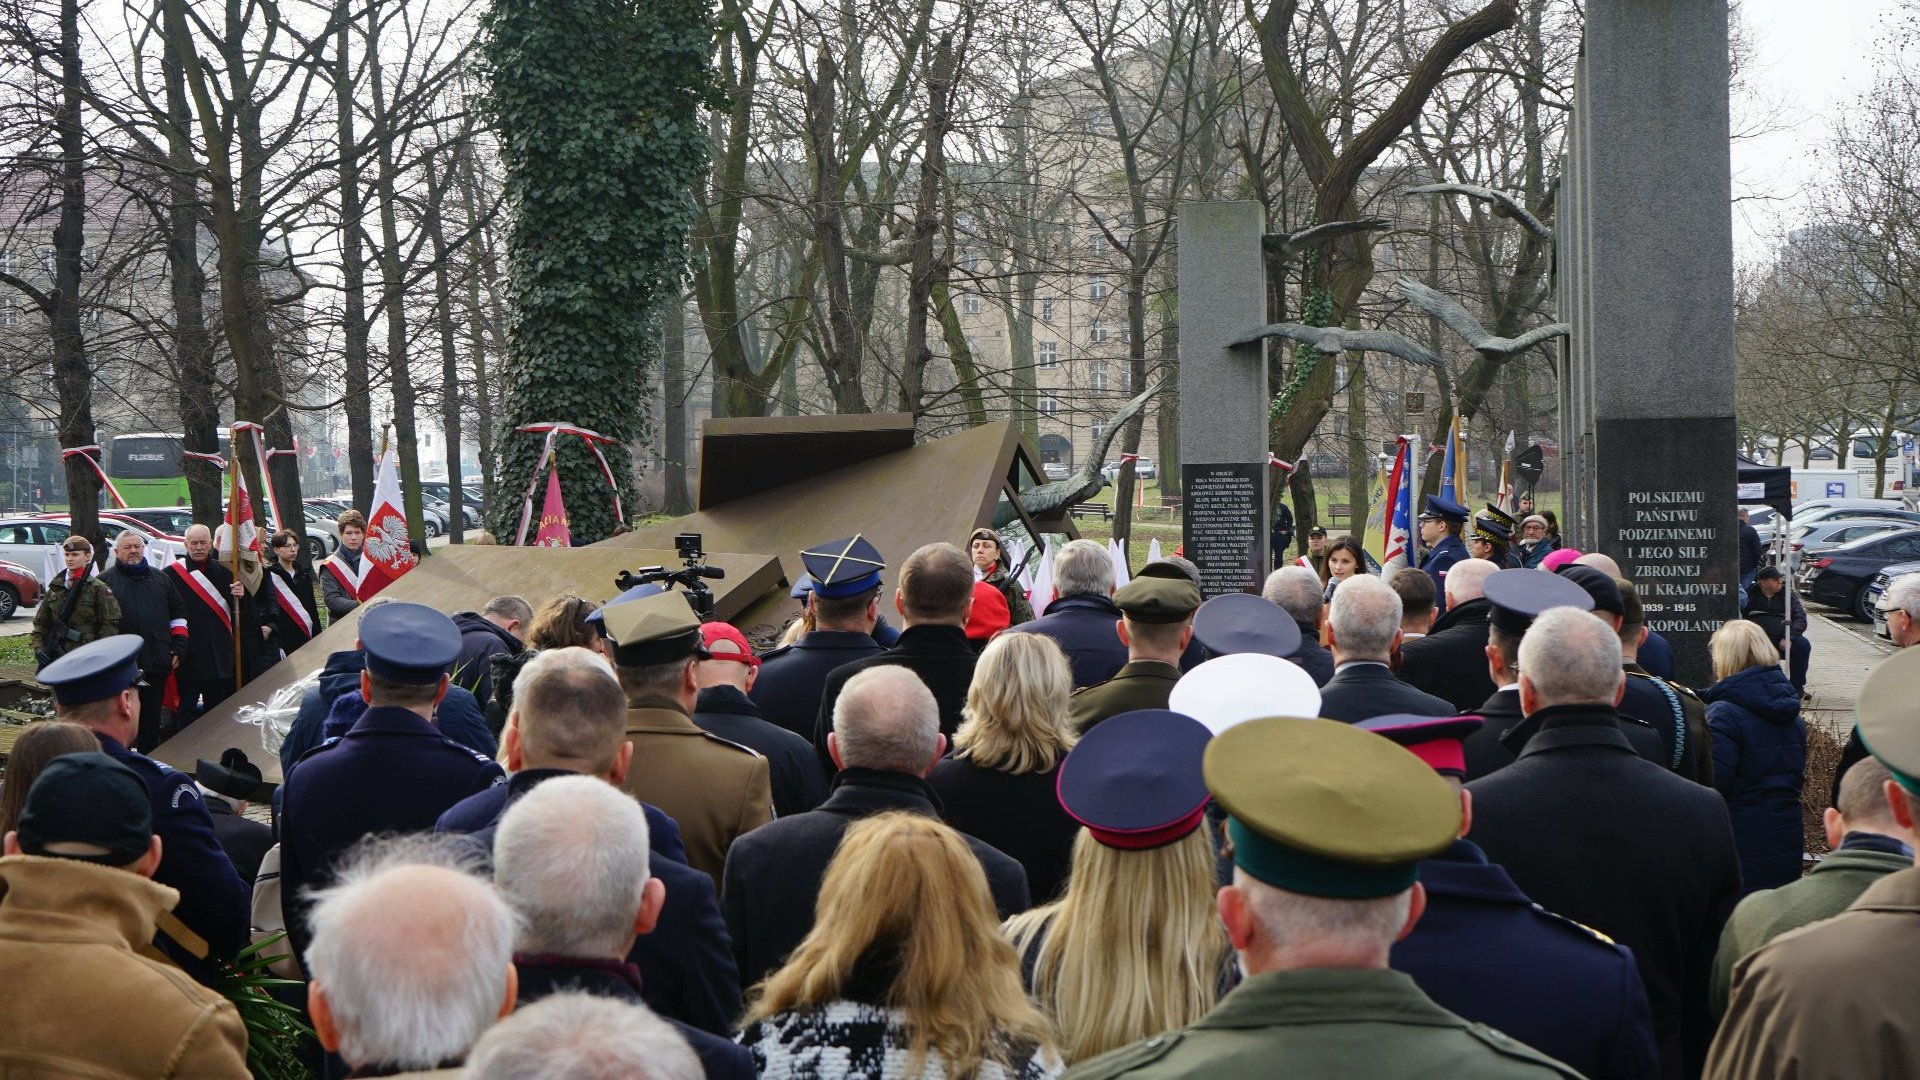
885	740
1451	661
1590	830
1081	616
842	592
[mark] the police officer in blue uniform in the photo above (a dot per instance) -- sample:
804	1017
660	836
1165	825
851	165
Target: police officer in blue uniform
843	590
1440	526
1518	597
392	772
1485	951
98	685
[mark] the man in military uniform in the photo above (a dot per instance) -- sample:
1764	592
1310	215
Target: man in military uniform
842	589
208	591
1594	832
1440	526
1328	825
97	685
392	772
1835	1000
716	790
1633	636
1156	623
1486	951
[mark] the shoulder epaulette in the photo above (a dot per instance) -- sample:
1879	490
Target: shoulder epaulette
1574	925
1128	1058
1508	1046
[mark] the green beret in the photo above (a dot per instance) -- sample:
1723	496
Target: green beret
652	630
1163	593
1889	726
1323	808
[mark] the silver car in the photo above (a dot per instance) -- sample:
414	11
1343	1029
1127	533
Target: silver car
1821	535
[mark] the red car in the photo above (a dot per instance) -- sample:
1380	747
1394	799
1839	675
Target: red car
18	588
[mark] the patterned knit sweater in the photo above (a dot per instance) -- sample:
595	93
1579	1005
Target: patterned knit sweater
847	1040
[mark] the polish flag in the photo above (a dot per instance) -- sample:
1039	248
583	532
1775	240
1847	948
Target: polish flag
387	550
553	517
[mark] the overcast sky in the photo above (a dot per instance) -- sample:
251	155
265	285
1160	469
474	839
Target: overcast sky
1811	58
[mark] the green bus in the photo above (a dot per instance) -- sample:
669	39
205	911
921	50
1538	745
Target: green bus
148	468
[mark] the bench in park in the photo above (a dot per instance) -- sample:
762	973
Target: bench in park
1340	512
1091	510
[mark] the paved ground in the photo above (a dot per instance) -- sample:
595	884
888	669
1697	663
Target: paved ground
1844	650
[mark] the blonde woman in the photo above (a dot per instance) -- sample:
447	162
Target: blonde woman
904	973
999	784
1759	752
1134	948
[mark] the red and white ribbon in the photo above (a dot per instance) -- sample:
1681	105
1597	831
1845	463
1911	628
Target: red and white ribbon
261	455
283	595
197	583
593	439
217	461
90	454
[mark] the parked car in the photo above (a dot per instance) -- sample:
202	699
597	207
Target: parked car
172	520
1056	470
1849	510
1765	520
1810	540
470	500
1840	577
1881	582
111	524
19	587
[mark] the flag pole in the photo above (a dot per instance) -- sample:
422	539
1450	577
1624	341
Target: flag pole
234	480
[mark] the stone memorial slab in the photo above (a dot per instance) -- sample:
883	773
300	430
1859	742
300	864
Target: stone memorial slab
1223	391
1222	530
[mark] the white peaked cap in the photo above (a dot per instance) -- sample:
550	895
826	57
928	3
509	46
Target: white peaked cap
1229	690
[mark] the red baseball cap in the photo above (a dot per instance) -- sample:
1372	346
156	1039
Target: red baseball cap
725	642
989	615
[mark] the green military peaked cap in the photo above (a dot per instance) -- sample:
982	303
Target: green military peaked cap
1888	718
1162	593
652	630
1323	808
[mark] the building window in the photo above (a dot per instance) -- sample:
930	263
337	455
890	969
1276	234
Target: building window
970	263
1097	332
1126	333
1046	310
1098	375
1097	430
9	314
1049	353
46	261
973	347
970	304
1096	242
9	261
1097	288
1049	407
91	317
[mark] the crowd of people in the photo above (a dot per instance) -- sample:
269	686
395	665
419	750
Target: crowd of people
1461	821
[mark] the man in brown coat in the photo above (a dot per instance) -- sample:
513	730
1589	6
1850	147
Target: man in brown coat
87	994
1835	999
715	789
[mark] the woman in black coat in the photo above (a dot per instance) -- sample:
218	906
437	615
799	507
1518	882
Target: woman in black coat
1759	753
285	600
998	786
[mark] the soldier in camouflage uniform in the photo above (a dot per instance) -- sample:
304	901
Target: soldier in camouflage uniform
77	607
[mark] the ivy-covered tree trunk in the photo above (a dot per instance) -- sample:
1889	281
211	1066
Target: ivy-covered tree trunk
596	104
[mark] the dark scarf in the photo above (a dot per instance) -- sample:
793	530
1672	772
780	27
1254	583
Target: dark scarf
350	557
1872	841
134	569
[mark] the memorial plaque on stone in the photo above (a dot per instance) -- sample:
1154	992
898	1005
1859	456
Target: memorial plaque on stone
1222	528
1670	520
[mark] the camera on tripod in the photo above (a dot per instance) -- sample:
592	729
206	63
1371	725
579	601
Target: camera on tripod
692	578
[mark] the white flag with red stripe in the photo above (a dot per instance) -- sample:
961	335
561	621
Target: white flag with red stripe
387	551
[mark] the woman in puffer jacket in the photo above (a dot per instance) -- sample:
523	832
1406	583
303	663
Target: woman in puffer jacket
1759	753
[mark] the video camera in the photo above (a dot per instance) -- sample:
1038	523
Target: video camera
688	577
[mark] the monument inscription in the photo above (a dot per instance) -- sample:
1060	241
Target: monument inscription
1223	531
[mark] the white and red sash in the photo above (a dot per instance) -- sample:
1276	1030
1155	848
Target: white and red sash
284	596
197	583
350	580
